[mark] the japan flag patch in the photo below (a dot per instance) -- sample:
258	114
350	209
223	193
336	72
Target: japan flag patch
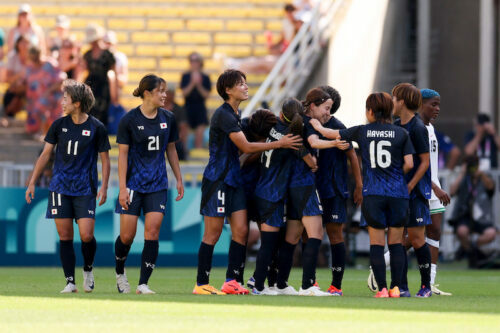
54	211
86	133
163	125
220	210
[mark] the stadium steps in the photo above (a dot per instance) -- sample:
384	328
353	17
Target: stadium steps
17	146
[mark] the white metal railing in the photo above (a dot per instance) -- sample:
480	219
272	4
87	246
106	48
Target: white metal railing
296	64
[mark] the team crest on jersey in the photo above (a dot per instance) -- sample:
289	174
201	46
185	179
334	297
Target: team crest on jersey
220	210
54	211
86	133
163	125
64	130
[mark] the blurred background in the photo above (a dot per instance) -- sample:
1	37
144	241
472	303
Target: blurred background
286	48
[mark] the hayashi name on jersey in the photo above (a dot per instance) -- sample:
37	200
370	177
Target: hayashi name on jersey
380	134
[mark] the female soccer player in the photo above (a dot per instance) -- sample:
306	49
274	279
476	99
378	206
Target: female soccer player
222	191
386	152
145	134
332	176
79	138
271	189
429	111
407	100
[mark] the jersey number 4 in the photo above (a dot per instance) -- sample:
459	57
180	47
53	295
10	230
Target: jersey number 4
380	157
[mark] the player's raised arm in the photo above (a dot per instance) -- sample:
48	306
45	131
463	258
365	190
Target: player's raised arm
41	162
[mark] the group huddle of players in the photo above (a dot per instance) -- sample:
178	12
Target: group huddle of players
289	173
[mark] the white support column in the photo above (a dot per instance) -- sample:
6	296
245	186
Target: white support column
423	43
486	56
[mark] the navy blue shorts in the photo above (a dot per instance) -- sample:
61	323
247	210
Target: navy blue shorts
63	206
303	201
252	208
145	202
271	213
381	212
334	210
220	200
419	212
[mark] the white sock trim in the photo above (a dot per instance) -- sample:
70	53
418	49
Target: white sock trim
432	242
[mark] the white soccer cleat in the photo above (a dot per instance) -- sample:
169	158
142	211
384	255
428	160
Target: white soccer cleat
312	291
122	283
264	292
144	290
88	281
436	291
70	288
372	283
288	291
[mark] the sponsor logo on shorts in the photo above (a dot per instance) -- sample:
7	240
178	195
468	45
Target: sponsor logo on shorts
54	211
162	207
91	212
163	125
335	217
86	133
64	130
420	219
140	128
220	209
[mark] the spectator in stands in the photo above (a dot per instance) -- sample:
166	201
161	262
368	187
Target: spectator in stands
449	153
483	142
57	37
98	62
69	59
263	65
196	88
17	61
2	56
473	210
121	60
180	119
26	26
43	93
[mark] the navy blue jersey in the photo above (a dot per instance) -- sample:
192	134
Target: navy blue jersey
147	140
250	172
301	173
224	156
420	138
383	147
75	166
332	176
276	167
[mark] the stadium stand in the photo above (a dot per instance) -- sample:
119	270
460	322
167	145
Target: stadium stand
157	35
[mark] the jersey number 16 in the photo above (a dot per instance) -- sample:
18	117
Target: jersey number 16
378	155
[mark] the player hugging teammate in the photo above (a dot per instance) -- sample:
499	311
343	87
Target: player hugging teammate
289	171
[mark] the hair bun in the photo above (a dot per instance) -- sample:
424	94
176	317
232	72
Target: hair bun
136	92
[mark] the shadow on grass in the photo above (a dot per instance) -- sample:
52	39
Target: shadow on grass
474	291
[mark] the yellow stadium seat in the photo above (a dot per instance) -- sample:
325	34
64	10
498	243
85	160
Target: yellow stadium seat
81	23
244	25
142	63
233	51
154	50
128	49
128	24
274	25
260	51
233	38
212	65
174	64
149	37
185	50
165	24
262	39
191	37
205	25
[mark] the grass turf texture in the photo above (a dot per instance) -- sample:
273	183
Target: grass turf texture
30	301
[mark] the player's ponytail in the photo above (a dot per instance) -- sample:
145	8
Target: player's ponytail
292	111
149	83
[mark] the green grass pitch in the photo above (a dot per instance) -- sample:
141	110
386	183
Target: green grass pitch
30	301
